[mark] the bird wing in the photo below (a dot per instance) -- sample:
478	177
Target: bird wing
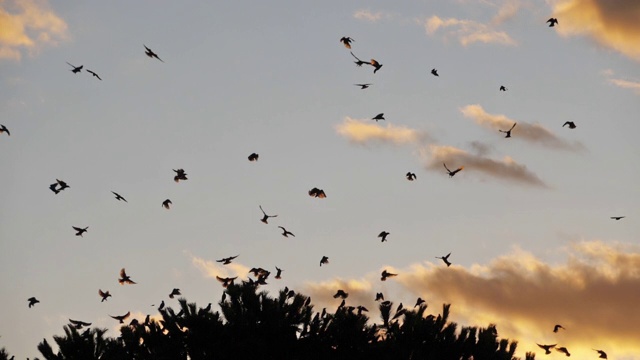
354	56
445	166
374	62
77	228
514	125
73	66
123	273
101	293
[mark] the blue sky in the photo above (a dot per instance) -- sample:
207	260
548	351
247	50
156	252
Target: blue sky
274	79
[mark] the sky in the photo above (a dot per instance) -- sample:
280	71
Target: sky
527	220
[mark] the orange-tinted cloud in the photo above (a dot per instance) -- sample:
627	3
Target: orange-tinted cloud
26	25
468	31
367	15
613	24
534	133
212	269
623	83
365	131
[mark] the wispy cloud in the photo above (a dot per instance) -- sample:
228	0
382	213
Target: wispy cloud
625	84
365	131
533	133
367	15
467	31
506	11
506	169
613	24
26	25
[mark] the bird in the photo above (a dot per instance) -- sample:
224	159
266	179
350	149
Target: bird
180	175
32	301
278	273
411	176
150	53
174	292
385	274
552	22
94	74
3	129
508	132
266	217
547	348
226	281
341	294
124	278
361	309
121	318
383	236
434	72
571	124
253	157
77	324
346	41
363	86
286	233
80	231
617	217
502	88
379	296
317	193
118	196
445	259
419	302
227	260
375	64
76	69
399	311
167	204
378	117
324	260
557	327
53	188
452	173
257	272
104	295
161	306
563	350
63	185
359	62
603	355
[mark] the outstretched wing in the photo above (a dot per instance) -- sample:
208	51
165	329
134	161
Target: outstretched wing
445	166
514	125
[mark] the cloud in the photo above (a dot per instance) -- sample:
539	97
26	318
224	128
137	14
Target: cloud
507	11
212	269
360	293
367	15
364	131
533	133
27	25
625	84
506	169
468	31
613	24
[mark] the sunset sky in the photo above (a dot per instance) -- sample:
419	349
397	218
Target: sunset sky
527	221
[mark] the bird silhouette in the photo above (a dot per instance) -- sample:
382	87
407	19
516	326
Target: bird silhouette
80	231
58	186
167	204
180	175
76	69
258	272
324	260
150	53
227	260
547	348
399	311
121	318
419	302
385	274
603	355
161	306
174	292
359	62
563	350
104	295
118	196
253	157
378	117
508	132
502	88
341	294
278	273
286	233
552	22
375	64
452	173
124	278
3	129
346	41
411	176
434	72
383	236
445	259
32	301
226	281
617	217
571	124
317	193
363	86
265	218
557	327
94	74
77	324
379	296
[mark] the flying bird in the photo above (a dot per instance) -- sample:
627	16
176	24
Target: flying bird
317	193
124	278
383	236
603	355
375	64
419	302
104	295
227	260
174	292
445	259
62	185
508	132
3	129
434	72
76	69
180	175
346	41
266	217
452	173
32	301
94	74
167	204
411	176
563	350
150	53
557	327
161	306
378	117
278	273
341	294
617	217
379	297
571	124
547	348
226	281
118	196
80	231
253	157
324	260
77	324
552	22
385	274
121	318
286	233
363	86
502	88
359	62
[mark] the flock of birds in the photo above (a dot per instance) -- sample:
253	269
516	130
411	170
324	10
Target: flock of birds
260	274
